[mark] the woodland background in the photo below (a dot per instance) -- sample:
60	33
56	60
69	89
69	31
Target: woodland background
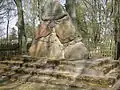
97	21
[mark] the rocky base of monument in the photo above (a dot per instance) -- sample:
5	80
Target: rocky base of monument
27	73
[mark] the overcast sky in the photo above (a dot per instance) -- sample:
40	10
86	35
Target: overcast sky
62	2
14	20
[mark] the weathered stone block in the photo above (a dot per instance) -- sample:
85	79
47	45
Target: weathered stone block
76	51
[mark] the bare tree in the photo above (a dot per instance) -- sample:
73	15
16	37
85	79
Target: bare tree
116	11
2	13
21	30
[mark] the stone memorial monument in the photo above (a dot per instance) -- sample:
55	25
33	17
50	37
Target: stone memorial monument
56	37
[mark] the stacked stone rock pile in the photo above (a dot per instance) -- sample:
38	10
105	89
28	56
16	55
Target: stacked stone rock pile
99	73
57	37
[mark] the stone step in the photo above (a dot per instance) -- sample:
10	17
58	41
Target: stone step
43	86
48	64
74	63
77	64
64	75
66	68
64	82
27	58
14	68
81	82
91	72
100	62
117	85
115	73
39	78
106	68
38	65
95	81
49	72
1	71
109	67
8	74
44	79
33	71
17	58
23	77
41	63
51	81
11	62
4	67
16	76
10	86
24	58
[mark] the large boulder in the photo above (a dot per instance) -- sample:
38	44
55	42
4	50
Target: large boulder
76	51
49	46
43	30
39	48
65	30
55	47
52	10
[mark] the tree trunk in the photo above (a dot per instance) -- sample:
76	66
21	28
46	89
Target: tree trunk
71	9
8	20
117	28
21	30
40	6
8	25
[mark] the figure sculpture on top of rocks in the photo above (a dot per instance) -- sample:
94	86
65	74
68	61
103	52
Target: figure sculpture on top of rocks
56	37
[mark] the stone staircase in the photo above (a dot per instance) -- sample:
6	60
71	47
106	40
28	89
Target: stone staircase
97	74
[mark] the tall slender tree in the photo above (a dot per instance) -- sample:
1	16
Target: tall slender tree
21	30
116	10
71	9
